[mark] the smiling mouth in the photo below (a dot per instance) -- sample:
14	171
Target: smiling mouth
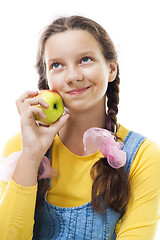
78	91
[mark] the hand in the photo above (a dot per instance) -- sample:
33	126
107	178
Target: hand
36	139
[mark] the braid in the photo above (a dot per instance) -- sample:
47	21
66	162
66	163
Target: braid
110	186
42	83
112	103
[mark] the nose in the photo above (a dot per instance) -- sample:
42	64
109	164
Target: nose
73	74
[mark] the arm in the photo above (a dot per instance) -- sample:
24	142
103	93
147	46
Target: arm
36	140
17	205
18	197
143	210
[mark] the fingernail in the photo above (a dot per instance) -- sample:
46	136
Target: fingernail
67	115
47	105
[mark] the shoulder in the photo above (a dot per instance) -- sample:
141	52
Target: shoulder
147	158
147	147
13	144
147	154
150	150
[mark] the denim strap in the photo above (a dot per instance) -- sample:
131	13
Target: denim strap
132	143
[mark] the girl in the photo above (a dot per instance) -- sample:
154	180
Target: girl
107	190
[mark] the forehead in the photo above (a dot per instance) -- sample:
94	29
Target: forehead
72	41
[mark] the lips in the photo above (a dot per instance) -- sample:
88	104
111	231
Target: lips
77	91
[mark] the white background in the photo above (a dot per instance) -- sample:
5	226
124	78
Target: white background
134	27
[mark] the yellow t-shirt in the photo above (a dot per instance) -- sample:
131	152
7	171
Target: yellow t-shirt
72	188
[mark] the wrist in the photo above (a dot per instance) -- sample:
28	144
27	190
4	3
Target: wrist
34	156
26	170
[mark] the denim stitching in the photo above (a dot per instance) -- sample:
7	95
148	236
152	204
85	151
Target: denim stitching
86	218
74	215
93	214
127	141
105	225
75	229
134	152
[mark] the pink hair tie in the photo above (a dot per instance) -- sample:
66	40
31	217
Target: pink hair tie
95	139
45	170
8	164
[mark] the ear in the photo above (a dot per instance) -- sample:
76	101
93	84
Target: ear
113	71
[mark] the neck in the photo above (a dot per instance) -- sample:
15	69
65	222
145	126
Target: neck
72	133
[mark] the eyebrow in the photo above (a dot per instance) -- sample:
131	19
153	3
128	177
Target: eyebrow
87	52
79	54
54	59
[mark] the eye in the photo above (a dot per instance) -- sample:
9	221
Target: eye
86	60
56	65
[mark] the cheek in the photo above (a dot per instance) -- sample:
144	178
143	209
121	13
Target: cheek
101	81
54	82
91	75
99	77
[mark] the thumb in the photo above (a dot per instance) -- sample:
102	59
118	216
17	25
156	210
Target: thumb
59	123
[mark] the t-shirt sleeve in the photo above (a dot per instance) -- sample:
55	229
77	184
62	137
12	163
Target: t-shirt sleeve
14	144
17	203
143	210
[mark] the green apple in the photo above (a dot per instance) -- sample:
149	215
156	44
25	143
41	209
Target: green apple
56	107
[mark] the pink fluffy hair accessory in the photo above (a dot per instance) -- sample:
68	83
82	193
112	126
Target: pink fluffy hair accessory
95	139
8	164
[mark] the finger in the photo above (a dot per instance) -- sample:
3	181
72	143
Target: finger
39	111
60	123
35	101
28	94
55	127
20	100
31	112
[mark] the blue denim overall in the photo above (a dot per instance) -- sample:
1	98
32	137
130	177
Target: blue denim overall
82	222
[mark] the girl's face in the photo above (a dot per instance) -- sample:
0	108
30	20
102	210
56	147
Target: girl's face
77	69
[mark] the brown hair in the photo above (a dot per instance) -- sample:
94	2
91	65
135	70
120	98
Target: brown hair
110	186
